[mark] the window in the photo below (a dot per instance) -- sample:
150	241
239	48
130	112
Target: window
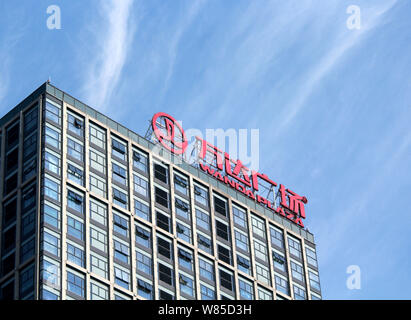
28	198
48	295
119	173
52	136
122	277
281	285
180	184
75	201
75	255
183	232
243	264
98	185
185	259
165	274
182	209
12	161
241	240
299	293
75	150
144	263
30	120
260	250
119	149
121	251
204	243
75	228
294	247
277	238
120	224
201	195
52	188
141	186
97	136
12	135
97	161
7	264
9	212
98	212
186	285
239	217
220	206
11	184
50	272
145	289
9	240
207	293
226	280
53	112
224	254
27	225
29	146
206	269
143	237
140	161
246	289
279	261
75	124
142	210
161	173
165	295
26	281
98	238
258	227
75	283
51	243
75	174
29	169
264	294
311	257
202	219
51	215
164	222
120	198
263	274
164	248
314	280
99	265
27	250
161	197
98	291
222	230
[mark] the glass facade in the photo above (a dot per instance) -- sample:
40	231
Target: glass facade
114	220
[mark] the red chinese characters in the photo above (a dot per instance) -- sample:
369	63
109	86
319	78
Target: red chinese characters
213	160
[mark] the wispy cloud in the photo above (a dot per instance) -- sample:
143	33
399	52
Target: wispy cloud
345	41
113	43
193	10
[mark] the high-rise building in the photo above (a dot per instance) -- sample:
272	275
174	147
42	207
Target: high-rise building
89	210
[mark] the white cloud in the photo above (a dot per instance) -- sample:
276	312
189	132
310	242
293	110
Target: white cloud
346	40
175	40
113	42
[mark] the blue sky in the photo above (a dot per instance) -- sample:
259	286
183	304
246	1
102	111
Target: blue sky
332	104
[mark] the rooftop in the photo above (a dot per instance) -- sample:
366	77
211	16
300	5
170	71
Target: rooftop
63	96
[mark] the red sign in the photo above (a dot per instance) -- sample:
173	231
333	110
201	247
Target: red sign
169	141
232	172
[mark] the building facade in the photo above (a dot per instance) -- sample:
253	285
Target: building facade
90	211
